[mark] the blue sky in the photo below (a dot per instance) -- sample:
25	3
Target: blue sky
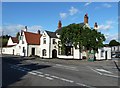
45	16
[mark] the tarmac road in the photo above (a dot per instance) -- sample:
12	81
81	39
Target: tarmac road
19	71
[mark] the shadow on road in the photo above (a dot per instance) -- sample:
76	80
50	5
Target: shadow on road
10	75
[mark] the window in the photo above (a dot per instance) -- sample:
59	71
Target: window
54	41
44	40
59	42
44	52
23	49
102	53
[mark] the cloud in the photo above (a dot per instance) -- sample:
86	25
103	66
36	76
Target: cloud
106	26
88	3
107	5
63	15
12	29
110	37
73	11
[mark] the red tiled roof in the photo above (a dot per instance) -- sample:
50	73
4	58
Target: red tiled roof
32	38
14	39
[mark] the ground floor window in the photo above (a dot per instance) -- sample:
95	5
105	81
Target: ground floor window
68	50
102	53
44	52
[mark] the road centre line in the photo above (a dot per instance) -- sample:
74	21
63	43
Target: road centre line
48	76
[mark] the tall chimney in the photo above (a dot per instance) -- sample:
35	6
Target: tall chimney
59	24
38	31
86	18
25	28
95	26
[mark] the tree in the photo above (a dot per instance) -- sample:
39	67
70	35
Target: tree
114	43
81	36
17	35
4	40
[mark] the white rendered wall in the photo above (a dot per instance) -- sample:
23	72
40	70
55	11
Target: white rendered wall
37	49
45	46
10	42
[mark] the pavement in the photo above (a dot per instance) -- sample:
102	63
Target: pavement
30	71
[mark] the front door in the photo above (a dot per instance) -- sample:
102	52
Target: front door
105	55
33	51
54	53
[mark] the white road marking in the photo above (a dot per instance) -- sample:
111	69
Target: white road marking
47	74
41	75
111	75
37	72
80	84
49	78
32	73
63	79
103	73
94	70
66	67
55	77
102	70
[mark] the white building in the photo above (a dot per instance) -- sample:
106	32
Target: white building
47	45
28	44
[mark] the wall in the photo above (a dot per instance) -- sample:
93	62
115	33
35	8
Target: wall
10	42
9	50
53	46
45	46
37	49
98	55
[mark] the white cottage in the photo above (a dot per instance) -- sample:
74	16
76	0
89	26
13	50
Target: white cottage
11	46
49	47
29	44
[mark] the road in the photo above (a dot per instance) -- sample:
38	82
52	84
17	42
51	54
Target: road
24	71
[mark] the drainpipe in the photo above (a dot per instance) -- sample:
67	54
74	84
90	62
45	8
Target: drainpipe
49	47
27	49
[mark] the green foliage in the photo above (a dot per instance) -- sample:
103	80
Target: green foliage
4	40
79	36
114	43
17	35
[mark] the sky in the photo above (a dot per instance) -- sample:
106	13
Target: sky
45	16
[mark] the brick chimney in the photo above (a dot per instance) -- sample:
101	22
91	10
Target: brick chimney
25	28
38	31
86	18
59	24
96	26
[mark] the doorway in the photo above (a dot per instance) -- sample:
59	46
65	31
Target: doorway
54	53
105	55
33	51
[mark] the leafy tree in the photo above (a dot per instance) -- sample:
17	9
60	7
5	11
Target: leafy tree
114	43
17	35
4	40
81	36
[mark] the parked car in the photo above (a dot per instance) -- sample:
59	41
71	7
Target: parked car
116	55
